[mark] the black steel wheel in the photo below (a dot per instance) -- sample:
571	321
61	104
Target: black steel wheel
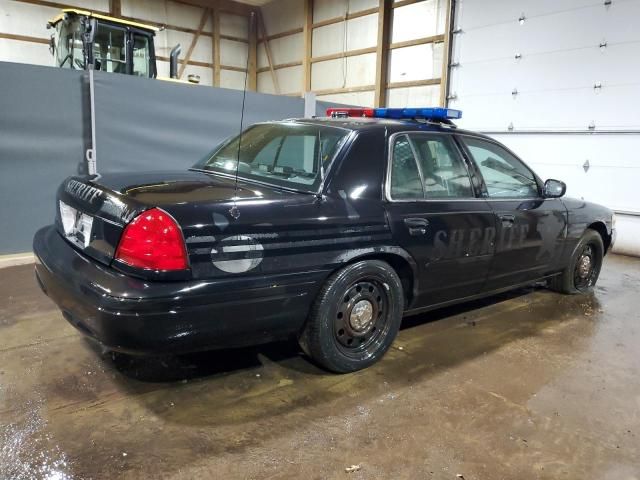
355	318
585	272
582	273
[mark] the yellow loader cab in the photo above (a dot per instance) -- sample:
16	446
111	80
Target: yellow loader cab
84	40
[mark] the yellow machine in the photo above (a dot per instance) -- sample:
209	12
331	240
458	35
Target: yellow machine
85	40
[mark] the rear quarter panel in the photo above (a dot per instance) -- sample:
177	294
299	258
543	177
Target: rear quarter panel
297	232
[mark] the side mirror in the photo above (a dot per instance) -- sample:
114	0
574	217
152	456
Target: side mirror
52	45
554	188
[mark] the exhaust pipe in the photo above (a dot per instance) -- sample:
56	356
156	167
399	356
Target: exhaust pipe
173	61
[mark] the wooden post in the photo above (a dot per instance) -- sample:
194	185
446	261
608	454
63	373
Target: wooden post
267	49
252	80
215	43
307	35
446	57
382	52
203	20
115	8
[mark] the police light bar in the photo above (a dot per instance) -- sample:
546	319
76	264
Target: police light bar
428	113
350	112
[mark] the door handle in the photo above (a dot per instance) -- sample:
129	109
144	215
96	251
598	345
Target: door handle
508	220
416	226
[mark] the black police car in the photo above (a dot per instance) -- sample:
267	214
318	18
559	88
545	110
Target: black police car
328	229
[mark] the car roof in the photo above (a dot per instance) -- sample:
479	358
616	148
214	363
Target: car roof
366	123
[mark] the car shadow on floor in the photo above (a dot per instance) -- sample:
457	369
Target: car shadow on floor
200	365
249	384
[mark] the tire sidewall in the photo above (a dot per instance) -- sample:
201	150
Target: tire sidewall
594	239
329	307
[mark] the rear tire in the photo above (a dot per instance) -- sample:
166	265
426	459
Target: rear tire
583	270
355	317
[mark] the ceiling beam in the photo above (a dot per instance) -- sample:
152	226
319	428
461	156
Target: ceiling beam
225	6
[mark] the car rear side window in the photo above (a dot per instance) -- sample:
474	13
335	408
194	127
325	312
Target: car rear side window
504	175
405	176
288	154
444	173
427	166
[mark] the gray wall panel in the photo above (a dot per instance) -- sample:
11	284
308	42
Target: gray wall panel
41	143
143	124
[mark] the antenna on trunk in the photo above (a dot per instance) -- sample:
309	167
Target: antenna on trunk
235	211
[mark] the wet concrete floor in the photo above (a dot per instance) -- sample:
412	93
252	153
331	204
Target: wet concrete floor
530	384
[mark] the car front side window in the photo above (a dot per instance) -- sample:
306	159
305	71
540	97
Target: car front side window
504	175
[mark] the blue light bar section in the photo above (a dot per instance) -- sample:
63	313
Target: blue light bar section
429	113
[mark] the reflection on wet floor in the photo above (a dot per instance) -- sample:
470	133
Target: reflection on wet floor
528	384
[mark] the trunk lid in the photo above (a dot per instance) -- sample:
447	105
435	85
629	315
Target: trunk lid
92	212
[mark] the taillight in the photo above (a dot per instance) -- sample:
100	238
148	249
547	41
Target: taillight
153	241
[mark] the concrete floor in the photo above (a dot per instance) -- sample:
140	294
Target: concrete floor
531	384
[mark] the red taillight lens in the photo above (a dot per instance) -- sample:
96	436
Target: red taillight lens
153	241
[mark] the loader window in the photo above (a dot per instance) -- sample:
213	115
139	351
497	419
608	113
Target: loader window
69	47
141	55
110	49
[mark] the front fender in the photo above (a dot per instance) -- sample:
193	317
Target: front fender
582	215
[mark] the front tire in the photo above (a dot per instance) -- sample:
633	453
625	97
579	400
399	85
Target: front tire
355	317
583	270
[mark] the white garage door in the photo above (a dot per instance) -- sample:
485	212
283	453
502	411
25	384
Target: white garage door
558	81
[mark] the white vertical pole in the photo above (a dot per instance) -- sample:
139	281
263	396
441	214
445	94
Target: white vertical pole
91	152
309	104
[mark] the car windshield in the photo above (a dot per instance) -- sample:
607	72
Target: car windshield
286	154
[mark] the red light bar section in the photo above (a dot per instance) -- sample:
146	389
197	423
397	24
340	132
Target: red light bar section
350	112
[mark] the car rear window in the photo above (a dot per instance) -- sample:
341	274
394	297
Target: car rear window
287	154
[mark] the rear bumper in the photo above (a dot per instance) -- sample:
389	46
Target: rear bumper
137	316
